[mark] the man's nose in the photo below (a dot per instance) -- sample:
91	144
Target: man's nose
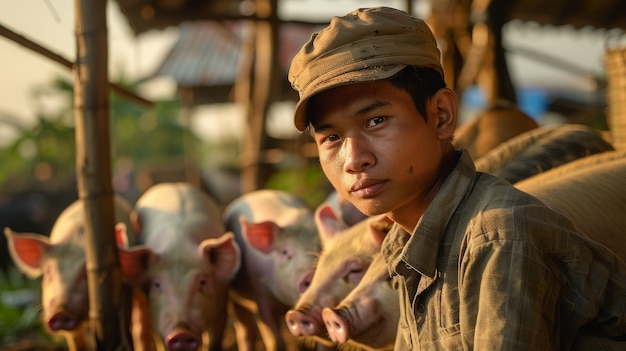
358	155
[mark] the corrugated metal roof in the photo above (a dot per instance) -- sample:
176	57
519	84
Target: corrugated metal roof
207	52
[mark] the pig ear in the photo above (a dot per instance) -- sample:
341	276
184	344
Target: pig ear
350	215
27	251
135	261
259	235
135	222
378	227
121	236
223	253
327	223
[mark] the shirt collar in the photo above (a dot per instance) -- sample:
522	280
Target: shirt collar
420	250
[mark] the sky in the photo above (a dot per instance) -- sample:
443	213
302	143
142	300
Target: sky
51	24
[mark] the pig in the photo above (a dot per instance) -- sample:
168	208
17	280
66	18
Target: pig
588	191
60	260
346	254
367	318
541	149
184	263
278	238
492	127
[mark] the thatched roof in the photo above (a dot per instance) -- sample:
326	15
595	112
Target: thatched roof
145	15
600	14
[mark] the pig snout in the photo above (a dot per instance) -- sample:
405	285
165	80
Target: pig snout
302	324
182	340
338	328
305	282
63	320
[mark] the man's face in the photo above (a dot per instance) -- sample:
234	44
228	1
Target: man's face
375	148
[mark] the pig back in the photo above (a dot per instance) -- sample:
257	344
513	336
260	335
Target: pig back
167	210
492	127
590	192
541	149
281	207
71	222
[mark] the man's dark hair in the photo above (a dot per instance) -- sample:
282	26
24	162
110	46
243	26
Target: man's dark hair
420	82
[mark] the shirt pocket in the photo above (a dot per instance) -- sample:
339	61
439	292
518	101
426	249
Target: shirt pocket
403	334
450	336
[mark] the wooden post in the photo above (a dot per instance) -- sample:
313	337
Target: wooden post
264	83
93	170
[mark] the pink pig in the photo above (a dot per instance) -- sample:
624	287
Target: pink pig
278	238
346	254
60	259
368	317
184	263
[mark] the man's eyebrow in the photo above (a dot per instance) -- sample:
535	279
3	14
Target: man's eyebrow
372	107
321	127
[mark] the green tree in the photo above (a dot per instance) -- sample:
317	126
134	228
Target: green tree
141	136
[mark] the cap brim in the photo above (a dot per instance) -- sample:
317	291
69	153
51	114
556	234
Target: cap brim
369	74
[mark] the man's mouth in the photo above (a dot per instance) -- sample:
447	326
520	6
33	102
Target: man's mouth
365	188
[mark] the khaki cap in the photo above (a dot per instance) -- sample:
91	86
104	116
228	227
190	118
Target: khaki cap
367	44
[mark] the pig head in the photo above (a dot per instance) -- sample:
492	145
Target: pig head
346	255
184	264
368	317
60	260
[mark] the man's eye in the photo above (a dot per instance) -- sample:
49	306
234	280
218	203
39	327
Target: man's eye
332	137
375	121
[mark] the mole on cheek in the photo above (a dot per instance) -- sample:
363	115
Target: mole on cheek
410	170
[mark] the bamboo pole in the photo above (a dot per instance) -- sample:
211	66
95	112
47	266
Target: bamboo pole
93	170
265	78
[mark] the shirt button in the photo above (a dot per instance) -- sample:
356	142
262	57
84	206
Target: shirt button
420	308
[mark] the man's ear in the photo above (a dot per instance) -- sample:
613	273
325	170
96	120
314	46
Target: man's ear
446	104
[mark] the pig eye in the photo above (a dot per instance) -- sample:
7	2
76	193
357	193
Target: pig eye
156	285
355	269
203	283
286	254
355	275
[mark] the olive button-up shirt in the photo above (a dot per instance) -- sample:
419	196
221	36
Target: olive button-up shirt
489	267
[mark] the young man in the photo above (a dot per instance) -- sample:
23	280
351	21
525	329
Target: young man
478	264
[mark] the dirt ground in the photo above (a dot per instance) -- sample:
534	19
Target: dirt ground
229	344
32	346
